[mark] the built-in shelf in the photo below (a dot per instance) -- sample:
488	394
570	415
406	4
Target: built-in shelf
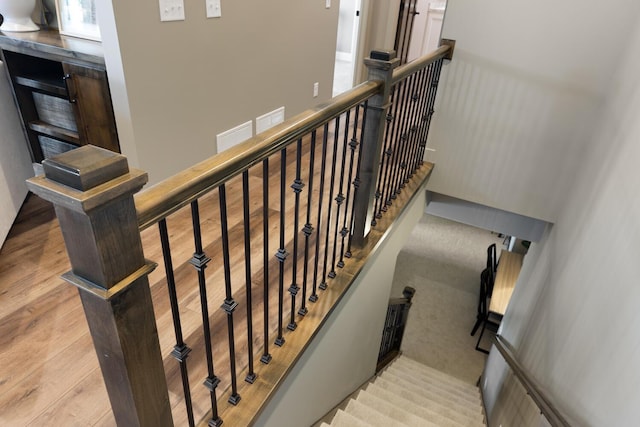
55	131
51	85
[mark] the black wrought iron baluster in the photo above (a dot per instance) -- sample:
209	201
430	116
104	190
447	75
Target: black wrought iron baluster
356	181
399	143
281	255
431	84
432	99
229	304
314	295
251	375
385	157
415	102
353	144
423	94
336	130
340	197
297	186
200	261
180	350
266	356
405	140
390	153
308	227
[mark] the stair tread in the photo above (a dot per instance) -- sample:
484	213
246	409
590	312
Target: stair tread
452	410
429	370
424	372
435	390
417	408
343	419
394	411
371	415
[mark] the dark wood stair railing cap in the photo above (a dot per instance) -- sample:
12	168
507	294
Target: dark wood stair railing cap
92	190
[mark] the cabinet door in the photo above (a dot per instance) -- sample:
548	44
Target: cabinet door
89	93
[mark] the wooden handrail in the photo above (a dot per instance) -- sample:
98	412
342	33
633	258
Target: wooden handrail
406	70
179	190
548	409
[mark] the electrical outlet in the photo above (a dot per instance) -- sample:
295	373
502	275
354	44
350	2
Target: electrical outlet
213	9
171	10
316	88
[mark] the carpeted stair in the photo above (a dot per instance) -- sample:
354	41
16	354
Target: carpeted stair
408	393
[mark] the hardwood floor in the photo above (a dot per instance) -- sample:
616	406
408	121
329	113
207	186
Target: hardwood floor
49	373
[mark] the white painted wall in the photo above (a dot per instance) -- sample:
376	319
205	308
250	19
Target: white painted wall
176	85
15	163
575	323
517	103
344	353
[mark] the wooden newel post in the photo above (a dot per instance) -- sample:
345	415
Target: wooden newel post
381	65
92	191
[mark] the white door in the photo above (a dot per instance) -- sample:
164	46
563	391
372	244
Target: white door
427	26
346	45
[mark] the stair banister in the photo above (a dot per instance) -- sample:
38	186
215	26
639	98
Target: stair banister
544	403
92	191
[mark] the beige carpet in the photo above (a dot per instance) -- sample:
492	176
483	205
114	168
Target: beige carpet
442	260
409	394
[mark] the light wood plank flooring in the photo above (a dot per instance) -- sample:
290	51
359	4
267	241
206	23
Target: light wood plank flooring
49	373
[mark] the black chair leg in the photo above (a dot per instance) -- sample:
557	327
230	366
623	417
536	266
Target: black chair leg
479	320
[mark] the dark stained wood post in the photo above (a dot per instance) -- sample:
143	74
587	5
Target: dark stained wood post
92	191
381	65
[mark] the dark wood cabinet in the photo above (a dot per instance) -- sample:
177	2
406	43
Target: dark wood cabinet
61	91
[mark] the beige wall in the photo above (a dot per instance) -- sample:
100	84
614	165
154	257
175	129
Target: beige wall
176	85
574	314
517	104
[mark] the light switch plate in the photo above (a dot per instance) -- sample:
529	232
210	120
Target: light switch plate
171	10
327	4
213	9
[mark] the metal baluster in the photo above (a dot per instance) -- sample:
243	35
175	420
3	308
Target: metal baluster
434	86
297	186
251	375
385	158
340	197
308	227
229	304
423	91
323	284
397	102
356	181
353	144
404	140
427	111
398	142
200	261
314	295
281	255
266	356
414	111
180	350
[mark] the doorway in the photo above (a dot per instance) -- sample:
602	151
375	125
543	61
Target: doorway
346	45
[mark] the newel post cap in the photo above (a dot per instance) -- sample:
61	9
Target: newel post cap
86	178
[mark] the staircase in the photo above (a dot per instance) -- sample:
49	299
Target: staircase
408	393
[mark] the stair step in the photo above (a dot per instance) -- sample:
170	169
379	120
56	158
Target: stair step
451	410
371	415
343	419
393	411
471	395
434	390
425	372
417	409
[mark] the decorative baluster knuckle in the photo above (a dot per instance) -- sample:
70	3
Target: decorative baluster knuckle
92	191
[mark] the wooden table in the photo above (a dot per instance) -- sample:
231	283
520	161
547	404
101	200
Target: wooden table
506	277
